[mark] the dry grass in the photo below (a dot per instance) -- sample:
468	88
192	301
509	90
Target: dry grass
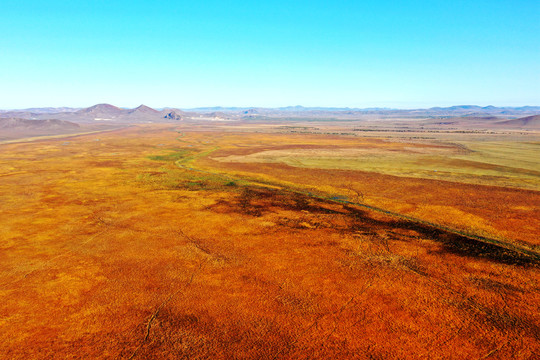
110	250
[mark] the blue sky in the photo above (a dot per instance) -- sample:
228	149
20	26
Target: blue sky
269	53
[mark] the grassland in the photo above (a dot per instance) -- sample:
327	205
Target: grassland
138	243
509	164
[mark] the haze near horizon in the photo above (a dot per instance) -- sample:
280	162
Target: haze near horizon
370	54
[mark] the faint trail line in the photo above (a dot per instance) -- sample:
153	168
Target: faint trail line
340	311
493	351
181	232
14	173
158	309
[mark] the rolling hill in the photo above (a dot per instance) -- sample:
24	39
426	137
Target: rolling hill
528	122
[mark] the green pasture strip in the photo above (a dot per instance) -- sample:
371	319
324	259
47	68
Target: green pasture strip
179	138
508	153
182	158
176	155
177	178
190	159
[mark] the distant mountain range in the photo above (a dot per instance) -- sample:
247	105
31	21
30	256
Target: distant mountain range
467	114
469	109
99	113
25	124
49	110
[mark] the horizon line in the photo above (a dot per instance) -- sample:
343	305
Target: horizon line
273	107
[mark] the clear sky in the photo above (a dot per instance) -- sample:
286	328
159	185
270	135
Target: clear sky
269	53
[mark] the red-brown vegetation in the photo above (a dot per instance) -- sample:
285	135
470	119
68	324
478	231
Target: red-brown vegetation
110	251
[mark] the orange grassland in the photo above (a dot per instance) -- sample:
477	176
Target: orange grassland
138	244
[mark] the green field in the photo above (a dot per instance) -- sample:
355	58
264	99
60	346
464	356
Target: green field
500	163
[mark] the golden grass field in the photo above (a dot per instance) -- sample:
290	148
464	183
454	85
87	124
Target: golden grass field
185	242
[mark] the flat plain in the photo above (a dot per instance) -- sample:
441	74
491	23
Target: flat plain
268	242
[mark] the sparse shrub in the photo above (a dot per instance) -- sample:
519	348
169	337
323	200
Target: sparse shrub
356	195
247	196
301	202
196	185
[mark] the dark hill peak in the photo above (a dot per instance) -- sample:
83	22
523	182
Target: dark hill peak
101	109
144	109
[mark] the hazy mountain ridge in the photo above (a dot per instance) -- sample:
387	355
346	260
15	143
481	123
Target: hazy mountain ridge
43	110
24	124
14	128
472	109
459	114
